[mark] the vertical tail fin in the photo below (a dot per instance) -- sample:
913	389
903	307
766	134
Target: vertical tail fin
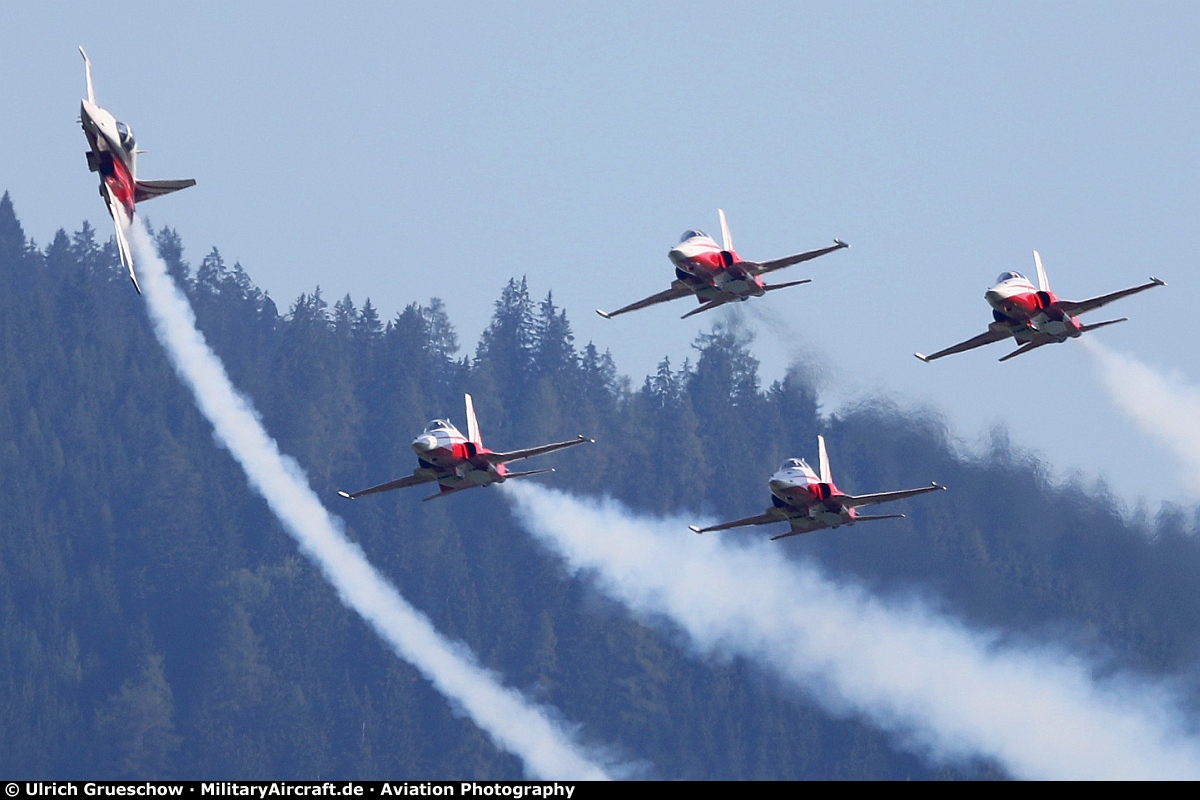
87	67
826	472
1043	281
726	237
472	423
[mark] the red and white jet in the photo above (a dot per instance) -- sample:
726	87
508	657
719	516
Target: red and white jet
717	275
460	462
810	502
114	155
1035	316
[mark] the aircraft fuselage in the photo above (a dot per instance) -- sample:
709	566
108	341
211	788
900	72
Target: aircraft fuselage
112	153
1030	312
798	491
453	459
710	271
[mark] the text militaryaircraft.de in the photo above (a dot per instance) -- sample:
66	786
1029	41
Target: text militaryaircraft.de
460	462
1035	317
810	502
114	155
718	275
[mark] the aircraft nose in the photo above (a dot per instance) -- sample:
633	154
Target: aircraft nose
424	443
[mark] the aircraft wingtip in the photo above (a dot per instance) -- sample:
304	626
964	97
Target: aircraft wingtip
937	485
1157	281
587	439
840	243
693	529
604	314
345	495
922	356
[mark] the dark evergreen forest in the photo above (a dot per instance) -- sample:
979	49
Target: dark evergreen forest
155	621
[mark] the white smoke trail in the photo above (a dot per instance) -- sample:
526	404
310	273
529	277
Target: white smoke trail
1163	406
508	719
940	687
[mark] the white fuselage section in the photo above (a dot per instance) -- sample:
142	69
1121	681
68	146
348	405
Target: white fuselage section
452	459
797	490
712	271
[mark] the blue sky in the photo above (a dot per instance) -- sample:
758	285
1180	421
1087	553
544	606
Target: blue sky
402	153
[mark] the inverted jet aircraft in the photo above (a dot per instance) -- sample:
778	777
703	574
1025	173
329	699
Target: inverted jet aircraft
717	275
809	502
1035	316
460	462
114	155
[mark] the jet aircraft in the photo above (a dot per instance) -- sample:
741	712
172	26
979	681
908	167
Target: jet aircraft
1035	316
717	275
460	462
810	502
114	155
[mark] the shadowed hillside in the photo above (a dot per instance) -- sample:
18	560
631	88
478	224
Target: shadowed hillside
155	621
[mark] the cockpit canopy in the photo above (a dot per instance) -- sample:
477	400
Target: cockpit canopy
437	425
1008	276
691	234
125	133
796	463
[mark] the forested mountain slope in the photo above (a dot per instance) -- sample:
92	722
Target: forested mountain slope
155	620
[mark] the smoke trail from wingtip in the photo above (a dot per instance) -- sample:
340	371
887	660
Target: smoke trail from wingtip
941	688
511	721
1161	405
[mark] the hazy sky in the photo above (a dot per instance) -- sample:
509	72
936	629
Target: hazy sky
404	152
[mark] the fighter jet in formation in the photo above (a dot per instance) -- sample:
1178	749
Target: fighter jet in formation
114	154
1035	316
460	462
810	502
717	275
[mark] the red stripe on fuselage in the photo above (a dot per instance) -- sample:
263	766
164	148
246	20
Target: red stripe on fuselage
120	183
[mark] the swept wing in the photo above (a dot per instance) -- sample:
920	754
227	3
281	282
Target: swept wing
1078	307
858	501
412	480
761	519
530	452
995	333
121	222
678	289
763	267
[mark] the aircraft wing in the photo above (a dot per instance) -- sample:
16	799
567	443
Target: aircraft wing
517	455
761	519
122	222
411	480
858	501
763	267
147	190
678	289
995	333
1079	307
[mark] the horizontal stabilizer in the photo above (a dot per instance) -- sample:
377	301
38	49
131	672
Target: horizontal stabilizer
527	473
445	492
148	190
774	286
1020	351
711	304
1094	326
